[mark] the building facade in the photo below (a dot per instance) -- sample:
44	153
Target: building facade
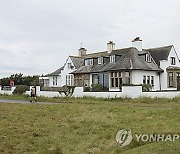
158	67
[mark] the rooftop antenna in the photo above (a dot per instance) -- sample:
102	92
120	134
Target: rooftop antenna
81	44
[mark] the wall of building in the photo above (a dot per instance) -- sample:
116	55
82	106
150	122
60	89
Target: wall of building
51	81
137	78
65	72
164	64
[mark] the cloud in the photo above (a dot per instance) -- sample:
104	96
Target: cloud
36	36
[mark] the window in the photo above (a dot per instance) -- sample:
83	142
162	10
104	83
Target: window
78	80
95	78
127	77
171	79
116	79
173	61
152	80
100	60
112	59
88	62
69	80
148	79
148	58
69	65
144	79
54	80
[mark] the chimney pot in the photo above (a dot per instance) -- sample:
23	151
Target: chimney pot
137	43
110	46
82	52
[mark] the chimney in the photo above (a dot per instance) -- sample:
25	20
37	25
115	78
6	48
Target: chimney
110	46
82	52
137	43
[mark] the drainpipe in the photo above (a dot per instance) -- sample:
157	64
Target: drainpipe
159	80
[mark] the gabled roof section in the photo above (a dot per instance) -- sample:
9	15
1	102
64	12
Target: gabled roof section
56	72
77	61
160	53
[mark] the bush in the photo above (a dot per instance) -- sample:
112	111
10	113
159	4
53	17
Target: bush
146	87
97	87
20	89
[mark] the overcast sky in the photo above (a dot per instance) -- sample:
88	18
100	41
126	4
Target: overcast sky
36	36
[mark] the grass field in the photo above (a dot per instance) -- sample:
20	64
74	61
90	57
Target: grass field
87	125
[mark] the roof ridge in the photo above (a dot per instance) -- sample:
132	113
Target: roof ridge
160	47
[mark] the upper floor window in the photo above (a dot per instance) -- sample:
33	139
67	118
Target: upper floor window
88	62
173	61
100	60
112	59
148	58
69	65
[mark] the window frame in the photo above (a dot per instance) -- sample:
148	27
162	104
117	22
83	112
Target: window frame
170	79
100	60
173	61
112	58
88	62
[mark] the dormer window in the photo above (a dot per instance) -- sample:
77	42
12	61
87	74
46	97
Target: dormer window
112	59
173	61
148	58
88	62
100	60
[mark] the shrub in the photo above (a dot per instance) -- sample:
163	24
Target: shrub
97	87
146	87
20	89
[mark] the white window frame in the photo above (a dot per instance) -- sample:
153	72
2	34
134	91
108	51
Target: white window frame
69	65
112	58
88	62
173	61
69	79
54	80
100	60
148	58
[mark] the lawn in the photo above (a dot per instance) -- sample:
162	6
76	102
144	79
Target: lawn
88	125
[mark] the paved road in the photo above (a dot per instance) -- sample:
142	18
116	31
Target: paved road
24	102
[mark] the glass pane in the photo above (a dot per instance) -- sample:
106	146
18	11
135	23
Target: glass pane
116	82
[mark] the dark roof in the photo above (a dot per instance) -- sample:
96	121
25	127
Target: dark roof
77	61
97	54
57	72
160	53
127	59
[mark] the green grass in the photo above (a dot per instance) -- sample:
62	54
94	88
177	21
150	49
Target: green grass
87	125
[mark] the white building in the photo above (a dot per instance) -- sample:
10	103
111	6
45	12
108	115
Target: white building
62	76
158	67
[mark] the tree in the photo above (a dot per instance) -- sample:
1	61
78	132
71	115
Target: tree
19	79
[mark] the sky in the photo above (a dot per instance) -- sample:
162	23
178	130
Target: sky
37	36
